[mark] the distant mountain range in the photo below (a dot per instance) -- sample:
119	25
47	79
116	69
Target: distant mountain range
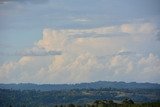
93	85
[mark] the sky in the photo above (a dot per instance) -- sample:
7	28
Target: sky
74	41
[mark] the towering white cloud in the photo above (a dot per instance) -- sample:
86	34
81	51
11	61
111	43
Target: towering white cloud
150	67
105	53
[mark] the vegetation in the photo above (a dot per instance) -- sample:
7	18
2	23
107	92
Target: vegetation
98	103
80	98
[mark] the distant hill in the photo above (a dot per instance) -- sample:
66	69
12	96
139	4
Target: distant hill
93	85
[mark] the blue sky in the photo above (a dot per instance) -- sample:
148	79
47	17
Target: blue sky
108	34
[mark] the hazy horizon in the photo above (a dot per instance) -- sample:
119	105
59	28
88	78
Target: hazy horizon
78	41
72	83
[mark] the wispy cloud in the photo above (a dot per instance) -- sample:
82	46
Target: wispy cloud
125	53
24	1
32	52
38	52
81	20
92	35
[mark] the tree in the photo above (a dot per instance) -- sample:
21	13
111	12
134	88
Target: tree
110	101
71	105
128	101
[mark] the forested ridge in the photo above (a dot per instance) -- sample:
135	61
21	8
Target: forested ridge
93	85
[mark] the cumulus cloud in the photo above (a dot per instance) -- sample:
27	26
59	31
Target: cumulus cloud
4	71
150	66
88	56
24	70
138	28
53	40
